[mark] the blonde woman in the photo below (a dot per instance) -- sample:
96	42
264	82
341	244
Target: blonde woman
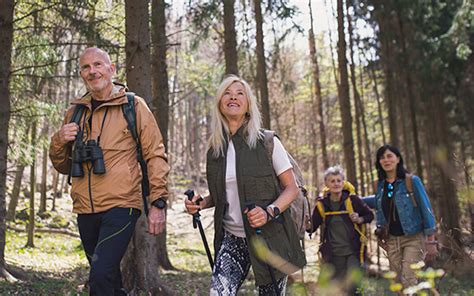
246	198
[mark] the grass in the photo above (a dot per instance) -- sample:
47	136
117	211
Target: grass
57	265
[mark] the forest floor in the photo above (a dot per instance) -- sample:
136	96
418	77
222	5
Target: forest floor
57	264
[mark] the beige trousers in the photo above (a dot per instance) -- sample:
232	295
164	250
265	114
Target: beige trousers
404	251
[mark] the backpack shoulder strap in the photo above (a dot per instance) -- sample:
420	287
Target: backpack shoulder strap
409	185
409	182
131	116
322	212
348	204
77	114
268	141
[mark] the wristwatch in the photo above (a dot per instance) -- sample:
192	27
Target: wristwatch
160	203
276	211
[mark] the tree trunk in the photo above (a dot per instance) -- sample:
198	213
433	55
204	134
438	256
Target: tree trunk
31	222
357	103
230	42
411	97
160	88
44	183
11	213
318	104
6	40
145	253
446	193
384	20
137	48
261	66
55	189
379	104
160	91
344	102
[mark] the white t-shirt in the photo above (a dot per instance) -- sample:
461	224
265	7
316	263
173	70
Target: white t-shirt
233	222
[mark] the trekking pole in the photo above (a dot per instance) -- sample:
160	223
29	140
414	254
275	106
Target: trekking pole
197	223
258	231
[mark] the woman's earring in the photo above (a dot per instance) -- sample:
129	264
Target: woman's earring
247	114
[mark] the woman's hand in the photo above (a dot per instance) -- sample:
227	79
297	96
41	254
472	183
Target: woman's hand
192	207
257	217
356	219
431	251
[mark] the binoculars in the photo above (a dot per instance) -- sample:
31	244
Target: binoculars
89	151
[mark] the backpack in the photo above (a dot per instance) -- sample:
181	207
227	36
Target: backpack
299	209
130	115
361	229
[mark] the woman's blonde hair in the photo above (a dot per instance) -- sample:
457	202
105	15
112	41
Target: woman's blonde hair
219	123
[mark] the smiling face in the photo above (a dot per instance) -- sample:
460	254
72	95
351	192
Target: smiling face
234	103
389	161
335	183
96	71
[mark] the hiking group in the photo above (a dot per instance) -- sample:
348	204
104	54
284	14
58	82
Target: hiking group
112	149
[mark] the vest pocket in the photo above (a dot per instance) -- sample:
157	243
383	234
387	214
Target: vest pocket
259	185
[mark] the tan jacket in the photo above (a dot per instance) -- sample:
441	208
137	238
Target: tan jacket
120	186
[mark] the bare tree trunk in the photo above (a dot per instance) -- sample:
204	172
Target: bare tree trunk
137	48
331	48
368	152
261	66
11	213
383	16
344	102
44	172
230	42
318	104
160	88
6	41
411	97
373	77
141	263
357	103
55	189
446	192
31	223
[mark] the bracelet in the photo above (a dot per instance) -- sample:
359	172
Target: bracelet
433	242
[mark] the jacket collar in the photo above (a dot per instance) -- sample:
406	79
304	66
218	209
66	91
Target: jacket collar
326	199
117	96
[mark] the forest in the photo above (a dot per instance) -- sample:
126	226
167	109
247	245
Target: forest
336	79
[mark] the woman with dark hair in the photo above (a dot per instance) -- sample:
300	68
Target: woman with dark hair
405	220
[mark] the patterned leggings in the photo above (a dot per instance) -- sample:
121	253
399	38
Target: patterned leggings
232	266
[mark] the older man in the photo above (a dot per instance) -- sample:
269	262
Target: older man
107	198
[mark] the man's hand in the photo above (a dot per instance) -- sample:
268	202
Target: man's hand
68	133
156	220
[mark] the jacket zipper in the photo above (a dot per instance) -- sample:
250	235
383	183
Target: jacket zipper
89	185
90	191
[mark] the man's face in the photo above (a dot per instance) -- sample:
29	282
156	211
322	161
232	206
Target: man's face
96	70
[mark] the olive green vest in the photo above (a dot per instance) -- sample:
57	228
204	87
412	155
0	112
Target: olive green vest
256	184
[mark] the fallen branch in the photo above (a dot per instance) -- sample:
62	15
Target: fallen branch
46	230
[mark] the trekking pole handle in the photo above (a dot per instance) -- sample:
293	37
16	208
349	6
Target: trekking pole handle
250	206
196	216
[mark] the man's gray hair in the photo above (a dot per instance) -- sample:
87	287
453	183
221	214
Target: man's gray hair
334	170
